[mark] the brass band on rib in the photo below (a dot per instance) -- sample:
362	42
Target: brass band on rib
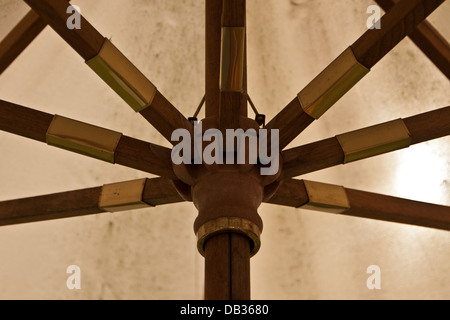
83	138
123	77
232	59
331	84
123	196
374	140
229	224
325	197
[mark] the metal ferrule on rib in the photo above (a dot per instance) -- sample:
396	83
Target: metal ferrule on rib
331	84
325	197
226	225
123	196
374	140
232	59
83	138
123	77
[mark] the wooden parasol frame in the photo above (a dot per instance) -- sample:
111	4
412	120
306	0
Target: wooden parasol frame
228	235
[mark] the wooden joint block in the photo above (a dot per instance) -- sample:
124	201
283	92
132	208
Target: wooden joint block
123	77
325	197
374	140
83	138
123	196
331	84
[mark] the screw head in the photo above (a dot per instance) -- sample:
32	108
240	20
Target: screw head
192	119
260	119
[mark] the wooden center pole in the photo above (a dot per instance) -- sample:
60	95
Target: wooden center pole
213	33
227	255
227	267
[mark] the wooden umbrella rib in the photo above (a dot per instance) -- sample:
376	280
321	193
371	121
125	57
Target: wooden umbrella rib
23	121
428	40
291	121
114	68
19	38
130	152
213	10
160	191
429	125
157	191
328	152
291	193
164	117
144	156
295	193
50	207
387	208
233	101
433	45
397	23
86	41
366	51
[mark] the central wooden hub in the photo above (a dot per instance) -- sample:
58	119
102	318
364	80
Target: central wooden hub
227	196
228	192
